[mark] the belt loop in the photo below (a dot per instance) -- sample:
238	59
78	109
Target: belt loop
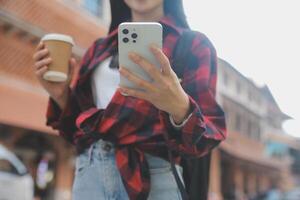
91	153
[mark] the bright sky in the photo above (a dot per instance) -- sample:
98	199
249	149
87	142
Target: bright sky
261	39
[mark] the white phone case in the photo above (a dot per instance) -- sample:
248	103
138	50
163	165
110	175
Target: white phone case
139	37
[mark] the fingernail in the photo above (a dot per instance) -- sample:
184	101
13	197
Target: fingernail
154	48
133	56
122	91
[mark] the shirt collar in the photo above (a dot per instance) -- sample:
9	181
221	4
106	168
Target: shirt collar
169	22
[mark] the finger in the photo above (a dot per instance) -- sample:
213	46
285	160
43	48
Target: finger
137	80
40	72
40	54
40	46
72	65
42	63
133	93
147	66
162	59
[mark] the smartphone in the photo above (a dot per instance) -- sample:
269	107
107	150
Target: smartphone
137	37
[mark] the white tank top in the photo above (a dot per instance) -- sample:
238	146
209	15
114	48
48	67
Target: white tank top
104	81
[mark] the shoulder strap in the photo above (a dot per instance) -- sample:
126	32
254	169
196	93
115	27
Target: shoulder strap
182	51
181	55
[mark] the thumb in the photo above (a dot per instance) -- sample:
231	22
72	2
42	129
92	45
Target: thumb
72	65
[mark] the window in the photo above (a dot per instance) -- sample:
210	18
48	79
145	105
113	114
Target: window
249	131
238	122
276	149
253	130
226	113
225	78
238	87
258	100
94	6
258	132
250	97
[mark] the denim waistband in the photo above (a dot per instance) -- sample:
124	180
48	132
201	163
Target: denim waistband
105	149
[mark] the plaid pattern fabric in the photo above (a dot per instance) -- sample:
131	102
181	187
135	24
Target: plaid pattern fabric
134	125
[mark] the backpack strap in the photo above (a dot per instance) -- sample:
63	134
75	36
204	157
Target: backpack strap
181	55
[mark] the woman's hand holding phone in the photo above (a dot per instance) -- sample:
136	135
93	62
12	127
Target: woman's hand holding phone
165	92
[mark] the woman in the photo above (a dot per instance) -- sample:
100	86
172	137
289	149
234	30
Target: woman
122	140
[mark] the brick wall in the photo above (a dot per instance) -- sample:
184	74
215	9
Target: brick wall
55	16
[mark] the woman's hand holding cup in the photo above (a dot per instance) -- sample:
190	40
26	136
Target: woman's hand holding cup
57	88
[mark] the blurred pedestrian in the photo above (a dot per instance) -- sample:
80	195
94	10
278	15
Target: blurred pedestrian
15	181
274	193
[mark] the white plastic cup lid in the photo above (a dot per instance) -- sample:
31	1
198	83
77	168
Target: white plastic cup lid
60	37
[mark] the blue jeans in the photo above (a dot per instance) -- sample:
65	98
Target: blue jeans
98	178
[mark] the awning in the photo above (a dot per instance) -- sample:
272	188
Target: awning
23	107
251	156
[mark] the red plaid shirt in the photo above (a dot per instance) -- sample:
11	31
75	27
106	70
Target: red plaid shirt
136	126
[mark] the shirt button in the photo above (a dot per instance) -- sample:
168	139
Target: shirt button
106	147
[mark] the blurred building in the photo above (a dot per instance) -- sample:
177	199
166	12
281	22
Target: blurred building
245	165
23	102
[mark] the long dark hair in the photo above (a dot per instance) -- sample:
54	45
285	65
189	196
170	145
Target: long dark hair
120	12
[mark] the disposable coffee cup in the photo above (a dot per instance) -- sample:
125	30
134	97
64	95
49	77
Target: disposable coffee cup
60	50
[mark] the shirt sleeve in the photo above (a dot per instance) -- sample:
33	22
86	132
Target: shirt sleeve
65	120
205	127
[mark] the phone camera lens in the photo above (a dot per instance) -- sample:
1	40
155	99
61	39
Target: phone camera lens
125	40
134	35
125	31
134	41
